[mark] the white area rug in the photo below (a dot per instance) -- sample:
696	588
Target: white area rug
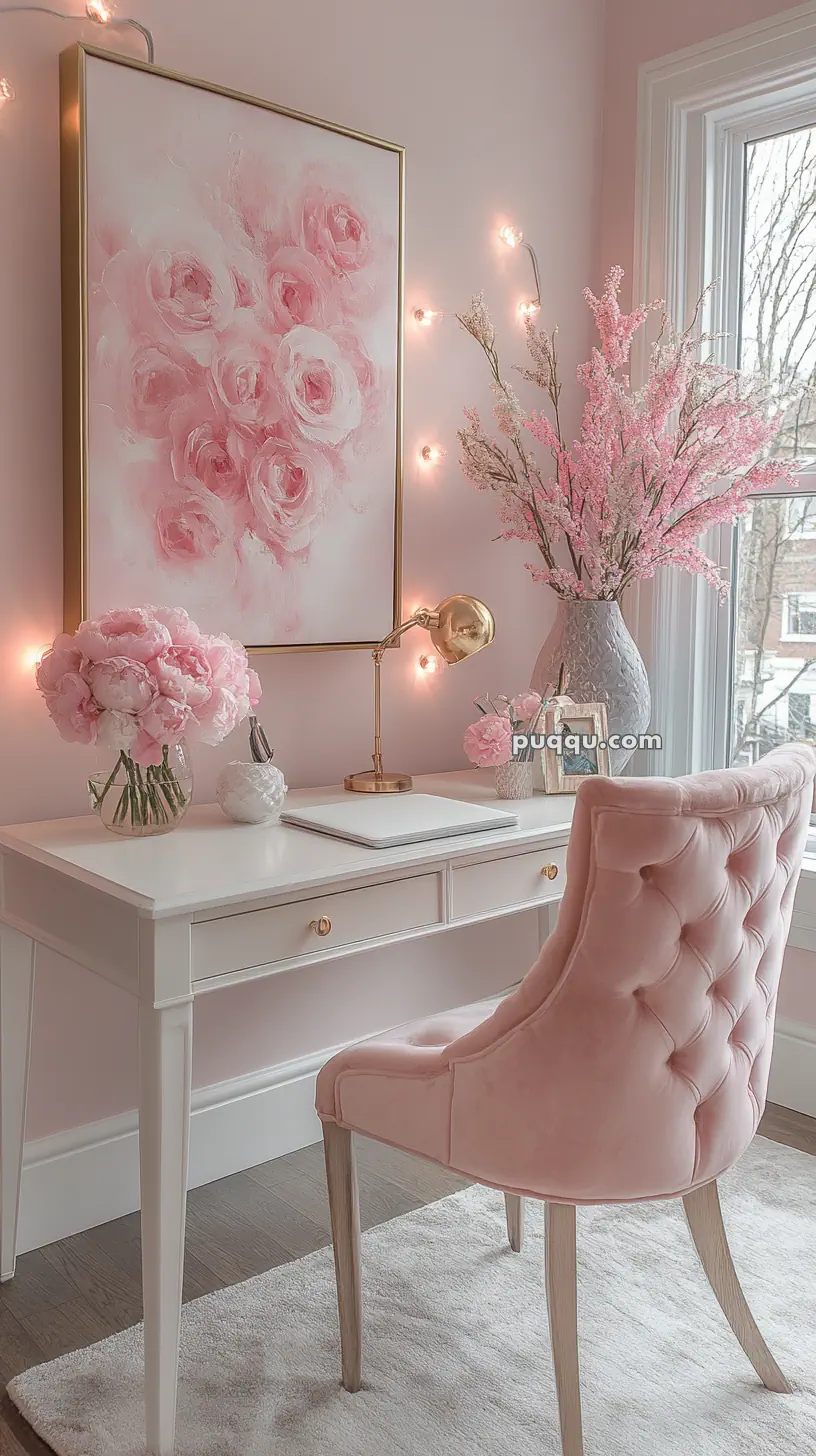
456	1354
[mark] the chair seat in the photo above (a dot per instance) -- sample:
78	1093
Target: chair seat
397	1086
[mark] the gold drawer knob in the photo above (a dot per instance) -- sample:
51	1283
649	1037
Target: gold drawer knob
550	871
321	926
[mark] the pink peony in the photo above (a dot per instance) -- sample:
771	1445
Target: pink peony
334	230
165	720
243	377
526	705
218	718
73	709
122	685
190	525
133	633
287	487
117	731
183	673
157	378
63	657
298	286
489	742
193	683
187	293
206	450
183	630
319	389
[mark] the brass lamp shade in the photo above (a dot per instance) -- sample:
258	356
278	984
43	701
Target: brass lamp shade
460	626
466	625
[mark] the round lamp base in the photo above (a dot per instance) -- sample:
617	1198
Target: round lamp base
378	783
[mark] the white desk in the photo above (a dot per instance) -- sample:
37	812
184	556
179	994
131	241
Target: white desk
207	906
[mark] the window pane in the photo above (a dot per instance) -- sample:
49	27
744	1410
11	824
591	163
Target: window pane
778	315
774	686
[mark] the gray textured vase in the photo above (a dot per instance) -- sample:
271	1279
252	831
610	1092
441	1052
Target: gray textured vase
602	665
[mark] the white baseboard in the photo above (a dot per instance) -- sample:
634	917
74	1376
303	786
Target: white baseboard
793	1069
85	1177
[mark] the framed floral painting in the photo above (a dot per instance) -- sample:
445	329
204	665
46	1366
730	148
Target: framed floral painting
232	327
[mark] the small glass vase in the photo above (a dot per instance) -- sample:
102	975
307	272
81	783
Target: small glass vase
135	800
514	780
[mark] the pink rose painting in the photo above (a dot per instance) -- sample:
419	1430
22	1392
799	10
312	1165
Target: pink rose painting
242	369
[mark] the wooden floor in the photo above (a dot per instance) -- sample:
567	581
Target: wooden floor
86	1287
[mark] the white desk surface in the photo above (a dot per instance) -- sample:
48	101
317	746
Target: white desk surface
211	861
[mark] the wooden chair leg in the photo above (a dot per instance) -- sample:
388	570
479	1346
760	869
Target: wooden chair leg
514	1209
708	1232
341	1177
562	1311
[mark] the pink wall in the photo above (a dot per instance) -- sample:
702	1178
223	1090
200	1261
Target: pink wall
638	31
499	108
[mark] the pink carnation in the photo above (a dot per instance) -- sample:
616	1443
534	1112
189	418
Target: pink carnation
526	705
489	742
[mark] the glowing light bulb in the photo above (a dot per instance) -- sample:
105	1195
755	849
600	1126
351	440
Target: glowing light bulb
99	10
427	316
511	235
31	657
432	454
428	663
6	90
528	309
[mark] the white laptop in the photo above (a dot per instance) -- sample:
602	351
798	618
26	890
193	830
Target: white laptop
381	821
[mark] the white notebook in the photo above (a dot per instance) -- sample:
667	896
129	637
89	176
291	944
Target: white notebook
380	820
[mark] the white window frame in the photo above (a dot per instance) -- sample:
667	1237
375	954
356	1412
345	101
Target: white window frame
696	110
786	635
804	532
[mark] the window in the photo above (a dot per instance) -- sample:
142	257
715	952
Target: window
773	657
727	192
798	616
802	515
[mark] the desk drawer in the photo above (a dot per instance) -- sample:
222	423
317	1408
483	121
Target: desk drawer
518	879
262	937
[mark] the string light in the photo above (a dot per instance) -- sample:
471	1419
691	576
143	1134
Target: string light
6	90
514	238
432	454
102	12
511	235
31	657
427	316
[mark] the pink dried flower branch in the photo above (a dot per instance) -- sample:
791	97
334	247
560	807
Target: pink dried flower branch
653	469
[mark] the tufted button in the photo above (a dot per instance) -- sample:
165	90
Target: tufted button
646	872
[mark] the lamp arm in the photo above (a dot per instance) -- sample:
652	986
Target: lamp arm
378	655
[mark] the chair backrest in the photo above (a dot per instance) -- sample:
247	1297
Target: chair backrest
632	1062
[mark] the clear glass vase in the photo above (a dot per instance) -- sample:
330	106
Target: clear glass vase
514	780
135	800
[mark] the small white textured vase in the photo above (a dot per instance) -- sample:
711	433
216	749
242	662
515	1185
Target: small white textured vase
252	793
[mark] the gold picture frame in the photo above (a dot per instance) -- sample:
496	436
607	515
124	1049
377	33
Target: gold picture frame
586	719
77	343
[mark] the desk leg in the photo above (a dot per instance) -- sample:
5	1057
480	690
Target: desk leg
17	955
165	1072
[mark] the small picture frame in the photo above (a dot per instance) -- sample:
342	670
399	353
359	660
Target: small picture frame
564	769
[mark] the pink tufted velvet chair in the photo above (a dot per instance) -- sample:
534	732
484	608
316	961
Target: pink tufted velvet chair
631	1062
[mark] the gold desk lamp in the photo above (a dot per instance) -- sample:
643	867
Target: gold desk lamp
459	627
